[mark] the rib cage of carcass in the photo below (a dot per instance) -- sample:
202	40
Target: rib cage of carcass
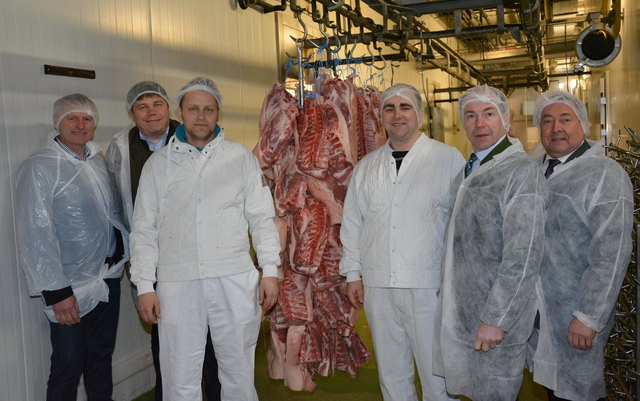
307	156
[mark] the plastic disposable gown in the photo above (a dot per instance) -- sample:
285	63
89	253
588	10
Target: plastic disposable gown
587	251
65	208
117	162
493	254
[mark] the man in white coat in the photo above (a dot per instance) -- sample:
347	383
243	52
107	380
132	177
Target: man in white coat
148	107
395	216
586	252
198	196
494	250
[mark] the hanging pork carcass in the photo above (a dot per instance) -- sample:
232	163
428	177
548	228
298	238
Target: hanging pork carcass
307	156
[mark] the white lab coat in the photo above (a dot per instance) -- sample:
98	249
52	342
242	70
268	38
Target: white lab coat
587	251
394	222
193	209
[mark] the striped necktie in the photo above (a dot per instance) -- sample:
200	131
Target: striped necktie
469	166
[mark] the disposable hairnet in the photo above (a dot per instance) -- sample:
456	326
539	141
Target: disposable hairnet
487	94
555	96
203	84
143	88
74	103
407	92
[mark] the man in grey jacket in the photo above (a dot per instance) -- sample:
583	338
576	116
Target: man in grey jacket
494	250
586	251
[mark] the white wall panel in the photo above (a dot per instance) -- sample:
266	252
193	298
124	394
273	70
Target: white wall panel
124	41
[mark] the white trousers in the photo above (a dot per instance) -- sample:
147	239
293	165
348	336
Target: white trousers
229	306
401	322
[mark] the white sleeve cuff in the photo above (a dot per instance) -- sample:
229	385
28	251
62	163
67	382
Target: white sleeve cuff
353	276
270	271
145	287
587	322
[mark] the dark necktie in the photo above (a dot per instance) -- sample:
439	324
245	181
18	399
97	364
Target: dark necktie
552	164
469	166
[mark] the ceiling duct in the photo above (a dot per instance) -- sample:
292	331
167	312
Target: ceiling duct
600	43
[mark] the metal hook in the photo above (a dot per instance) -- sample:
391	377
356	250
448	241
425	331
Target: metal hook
370	63
335	35
335	6
326	37
300	42
384	66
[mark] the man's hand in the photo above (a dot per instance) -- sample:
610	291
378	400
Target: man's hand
268	294
149	307
579	335
488	337
355	293
67	311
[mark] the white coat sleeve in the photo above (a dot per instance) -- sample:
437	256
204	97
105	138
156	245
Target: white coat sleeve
611	223
144	234
351	229
38	246
260	214
523	220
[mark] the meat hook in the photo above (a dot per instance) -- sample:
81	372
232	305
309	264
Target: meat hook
336	5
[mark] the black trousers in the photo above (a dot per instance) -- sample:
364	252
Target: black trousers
210	380
85	349
552	397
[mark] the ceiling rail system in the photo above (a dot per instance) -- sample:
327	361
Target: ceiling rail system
503	43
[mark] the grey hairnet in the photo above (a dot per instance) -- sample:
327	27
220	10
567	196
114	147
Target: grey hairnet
144	88
203	84
407	92
556	96
487	94
74	103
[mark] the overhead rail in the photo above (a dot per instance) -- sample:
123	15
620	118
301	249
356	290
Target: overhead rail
403	31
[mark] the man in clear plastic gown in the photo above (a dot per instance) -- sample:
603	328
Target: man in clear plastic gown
394	222
493	254
198	196
72	247
148	107
587	251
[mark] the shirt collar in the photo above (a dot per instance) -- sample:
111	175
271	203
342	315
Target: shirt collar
153	146
483	153
564	158
87	152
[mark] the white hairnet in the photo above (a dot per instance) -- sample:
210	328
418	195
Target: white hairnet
143	88
74	103
203	84
407	92
555	96
487	94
